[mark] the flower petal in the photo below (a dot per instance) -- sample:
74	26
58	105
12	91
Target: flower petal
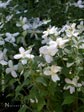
10	63
13	73
24	61
3	62
43	50
28	51
47	72
30	56
48	58
68	81
8	70
21	50
55	69
15	67
52	50
55	77
72	90
17	56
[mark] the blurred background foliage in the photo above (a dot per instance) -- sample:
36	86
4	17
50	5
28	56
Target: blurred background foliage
59	11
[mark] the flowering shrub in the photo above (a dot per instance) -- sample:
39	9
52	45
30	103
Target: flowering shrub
43	69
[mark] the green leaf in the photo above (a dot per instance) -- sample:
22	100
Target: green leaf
24	33
41	103
26	75
41	80
68	100
18	89
19	39
26	82
20	67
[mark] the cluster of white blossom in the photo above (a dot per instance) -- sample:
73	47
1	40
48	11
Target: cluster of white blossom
54	39
71	30
49	50
31	25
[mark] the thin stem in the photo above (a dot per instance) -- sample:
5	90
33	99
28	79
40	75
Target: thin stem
75	104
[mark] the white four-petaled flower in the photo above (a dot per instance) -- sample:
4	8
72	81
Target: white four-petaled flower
24	55
52	71
72	84
4	4
50	31
71	30
48	52
11	37
12	69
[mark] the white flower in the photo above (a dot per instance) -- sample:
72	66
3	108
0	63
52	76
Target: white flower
52	71
71	30
12	69
52	30
24	55
72	89
9	17
36	23
79	4
11	37
31	24
25	27
72	84
23	21
3	57
45	40
48	52
4	4
59	42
